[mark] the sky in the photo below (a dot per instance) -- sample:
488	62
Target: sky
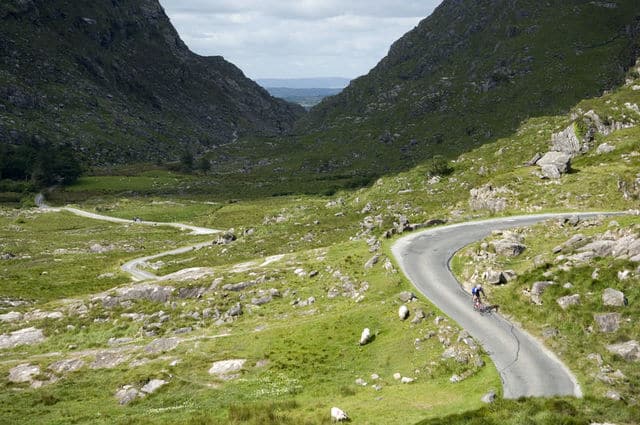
296	38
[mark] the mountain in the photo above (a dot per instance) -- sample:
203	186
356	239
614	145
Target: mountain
469	74
113	80
305	83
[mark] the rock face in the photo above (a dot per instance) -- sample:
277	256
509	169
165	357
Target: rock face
139	72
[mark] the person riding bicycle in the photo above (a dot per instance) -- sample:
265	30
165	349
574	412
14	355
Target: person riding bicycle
477	292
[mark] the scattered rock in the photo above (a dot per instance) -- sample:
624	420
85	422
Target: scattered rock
629	350
555	162
403	312
12	316
338	415
27	336
608	322
488	198
108	359
494	277
605	148
127	394
153	386
162	345
534	160
226	369
361	382
235	311
508	248
365	337
23	373
538	288
489	397
406	296
569	300
372	262
613	297
66	366
566	141
407	380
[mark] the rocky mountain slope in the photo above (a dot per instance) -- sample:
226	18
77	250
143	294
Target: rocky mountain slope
114	80
471	73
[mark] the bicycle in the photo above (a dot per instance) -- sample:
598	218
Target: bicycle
483	309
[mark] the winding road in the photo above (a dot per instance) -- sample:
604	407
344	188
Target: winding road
526	367
132	267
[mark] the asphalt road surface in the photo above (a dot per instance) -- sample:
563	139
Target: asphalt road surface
526	367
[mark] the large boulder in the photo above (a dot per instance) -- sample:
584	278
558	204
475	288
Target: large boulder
629	350
66	366
561	161
601	248
613	297
566	141
608	322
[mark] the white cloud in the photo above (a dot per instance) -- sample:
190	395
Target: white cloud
296	38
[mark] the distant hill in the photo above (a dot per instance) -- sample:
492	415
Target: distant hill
304	97
469	74
114	81
305	83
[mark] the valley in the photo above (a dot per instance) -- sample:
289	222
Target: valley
259	267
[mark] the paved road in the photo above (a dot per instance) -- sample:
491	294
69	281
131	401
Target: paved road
525	366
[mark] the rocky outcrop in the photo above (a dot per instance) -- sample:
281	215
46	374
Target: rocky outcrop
568	301
488	198
27	336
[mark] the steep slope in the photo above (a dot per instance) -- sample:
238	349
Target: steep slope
471	73
115	80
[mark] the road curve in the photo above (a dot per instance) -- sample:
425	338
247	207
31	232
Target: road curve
133	267
526	368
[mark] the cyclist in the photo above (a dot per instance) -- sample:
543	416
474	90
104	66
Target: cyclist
477	292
